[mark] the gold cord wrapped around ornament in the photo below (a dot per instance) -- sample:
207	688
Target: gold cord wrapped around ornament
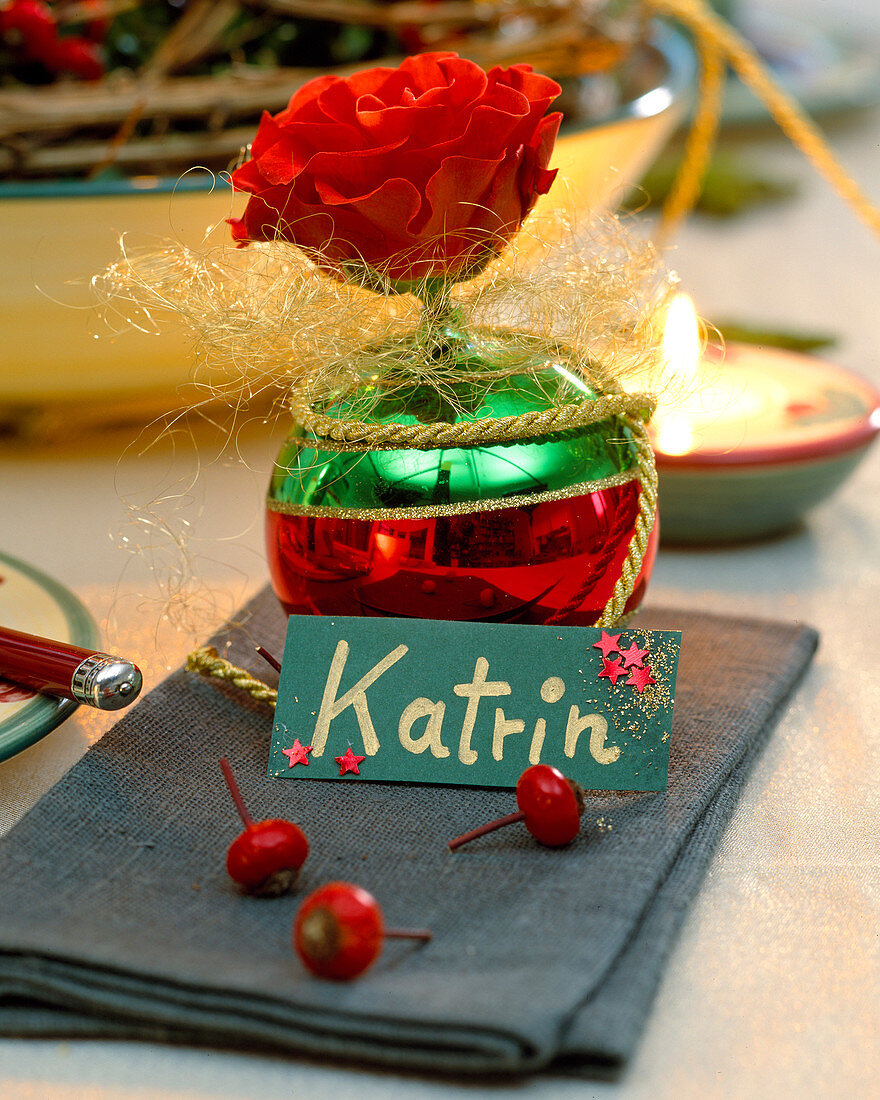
207	662
358	435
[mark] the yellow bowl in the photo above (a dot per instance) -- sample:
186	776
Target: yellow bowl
57	235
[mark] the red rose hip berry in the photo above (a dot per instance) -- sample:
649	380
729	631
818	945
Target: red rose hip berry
550	807
28	26
339	931
75	56
96	29
266	858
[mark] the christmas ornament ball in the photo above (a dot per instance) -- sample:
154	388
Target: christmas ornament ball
530	531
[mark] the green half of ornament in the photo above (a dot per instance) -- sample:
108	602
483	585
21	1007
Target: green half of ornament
307	475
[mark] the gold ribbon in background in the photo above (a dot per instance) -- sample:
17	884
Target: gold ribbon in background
719	45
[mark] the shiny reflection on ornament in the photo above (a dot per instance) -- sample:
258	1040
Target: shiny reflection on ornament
522	564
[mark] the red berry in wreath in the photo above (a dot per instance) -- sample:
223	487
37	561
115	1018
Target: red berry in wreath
29	26
550	807
266	858
75	56
97	28
339	931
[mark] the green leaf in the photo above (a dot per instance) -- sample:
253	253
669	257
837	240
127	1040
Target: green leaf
736	332
730	185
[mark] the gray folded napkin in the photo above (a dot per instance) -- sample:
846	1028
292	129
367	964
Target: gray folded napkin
117	918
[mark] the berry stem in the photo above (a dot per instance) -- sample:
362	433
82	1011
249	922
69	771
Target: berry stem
236	793
423	934
489	827
268	658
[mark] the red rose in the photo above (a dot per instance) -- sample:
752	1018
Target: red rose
424	170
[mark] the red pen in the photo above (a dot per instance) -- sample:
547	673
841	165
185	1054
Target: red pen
57	668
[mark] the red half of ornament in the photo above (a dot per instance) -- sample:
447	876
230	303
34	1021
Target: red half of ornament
522	564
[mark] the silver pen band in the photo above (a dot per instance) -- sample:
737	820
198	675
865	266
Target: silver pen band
105	682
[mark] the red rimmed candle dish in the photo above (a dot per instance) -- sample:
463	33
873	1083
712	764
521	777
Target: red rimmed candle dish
762	436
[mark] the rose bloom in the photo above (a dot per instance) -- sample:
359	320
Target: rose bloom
418	172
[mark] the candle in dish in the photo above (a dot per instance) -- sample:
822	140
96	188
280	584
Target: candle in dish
748	438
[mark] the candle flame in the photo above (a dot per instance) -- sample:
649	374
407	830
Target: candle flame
681	339
673	429
674	435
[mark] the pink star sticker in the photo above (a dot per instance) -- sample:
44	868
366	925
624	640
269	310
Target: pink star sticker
296	754
349	762
633	655
640	678
607	643
612	669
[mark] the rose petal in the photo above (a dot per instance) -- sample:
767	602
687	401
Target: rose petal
238	232
369	102
337	103
455	195
305	98
389	208
463	83
358	173
379	82
424	70
279	165
268	133
276	216
488	134
247	178
539	90
534	177
281	153
546	138
381	123
493	128
318	137
505	195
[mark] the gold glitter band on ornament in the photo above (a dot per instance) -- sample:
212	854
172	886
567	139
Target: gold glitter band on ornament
459	508
357	435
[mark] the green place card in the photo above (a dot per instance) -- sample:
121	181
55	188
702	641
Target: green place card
422	701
